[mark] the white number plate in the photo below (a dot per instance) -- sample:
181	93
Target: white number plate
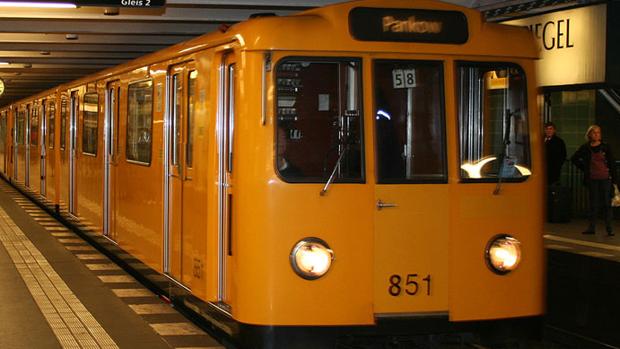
403	78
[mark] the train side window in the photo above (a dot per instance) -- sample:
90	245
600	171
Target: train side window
20	128
63	123
91	123
3	119
319	120
409	122
51	125
177	110
34	125
493	122
139	122
191	98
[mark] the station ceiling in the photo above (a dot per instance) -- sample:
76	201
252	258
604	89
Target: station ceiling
46	47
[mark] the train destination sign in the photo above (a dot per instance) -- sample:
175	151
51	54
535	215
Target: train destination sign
408	25
122	3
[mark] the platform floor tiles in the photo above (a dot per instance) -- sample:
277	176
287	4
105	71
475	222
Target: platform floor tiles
31	241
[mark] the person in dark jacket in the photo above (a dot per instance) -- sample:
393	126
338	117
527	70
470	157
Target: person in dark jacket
555	151
596	161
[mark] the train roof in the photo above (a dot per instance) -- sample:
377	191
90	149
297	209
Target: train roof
328	29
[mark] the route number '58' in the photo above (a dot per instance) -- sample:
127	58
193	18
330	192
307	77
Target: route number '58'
410	285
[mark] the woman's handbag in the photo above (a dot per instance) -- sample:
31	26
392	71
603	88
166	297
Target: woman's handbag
615	200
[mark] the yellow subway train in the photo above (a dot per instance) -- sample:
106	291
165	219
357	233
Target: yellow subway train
365	169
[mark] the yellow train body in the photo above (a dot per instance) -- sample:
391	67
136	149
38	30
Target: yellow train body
227	235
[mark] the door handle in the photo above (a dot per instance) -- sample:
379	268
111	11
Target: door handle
381	205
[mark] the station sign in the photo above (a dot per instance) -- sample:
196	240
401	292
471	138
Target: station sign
122	3
408	25
572	45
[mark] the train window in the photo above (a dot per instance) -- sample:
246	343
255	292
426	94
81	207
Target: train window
34	125
319	120
191	90
63	123
51	125
20	128
409	122
493	122
139	122
3	118
91	122
176	118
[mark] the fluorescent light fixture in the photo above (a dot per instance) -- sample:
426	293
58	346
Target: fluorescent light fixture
37	4
4	63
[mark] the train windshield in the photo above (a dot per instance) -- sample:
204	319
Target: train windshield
493	122
409	121
319	120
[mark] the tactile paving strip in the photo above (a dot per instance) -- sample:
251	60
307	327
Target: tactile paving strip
71	322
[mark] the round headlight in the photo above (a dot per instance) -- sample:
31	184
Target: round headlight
311	258
503	254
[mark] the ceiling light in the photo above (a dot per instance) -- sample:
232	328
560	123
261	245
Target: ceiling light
71	36
4	63
44	53
37	4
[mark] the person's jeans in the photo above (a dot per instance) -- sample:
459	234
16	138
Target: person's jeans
600	198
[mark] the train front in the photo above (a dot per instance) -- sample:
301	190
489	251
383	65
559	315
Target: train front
407	184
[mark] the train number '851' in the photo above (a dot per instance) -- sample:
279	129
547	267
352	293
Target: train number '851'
411	285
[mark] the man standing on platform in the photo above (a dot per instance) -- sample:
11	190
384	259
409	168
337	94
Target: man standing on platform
555	151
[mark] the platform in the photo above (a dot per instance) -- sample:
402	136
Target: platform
583	286
568	237
59	292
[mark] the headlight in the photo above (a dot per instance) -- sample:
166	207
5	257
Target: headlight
503	254
311	258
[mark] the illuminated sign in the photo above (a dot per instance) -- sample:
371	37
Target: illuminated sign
1	87
408	25
122	3
572	45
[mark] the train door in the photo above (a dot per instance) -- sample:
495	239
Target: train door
51	176
34	173
64	151
73	118
27	146
411	192
3	140
17	128
180	216
42	141
225	137
112	101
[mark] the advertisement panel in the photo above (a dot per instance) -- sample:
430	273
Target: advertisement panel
572	45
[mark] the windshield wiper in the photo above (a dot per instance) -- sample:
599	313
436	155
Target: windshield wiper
502	157
343	144
331	177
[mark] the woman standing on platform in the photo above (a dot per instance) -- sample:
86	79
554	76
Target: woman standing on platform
596	161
